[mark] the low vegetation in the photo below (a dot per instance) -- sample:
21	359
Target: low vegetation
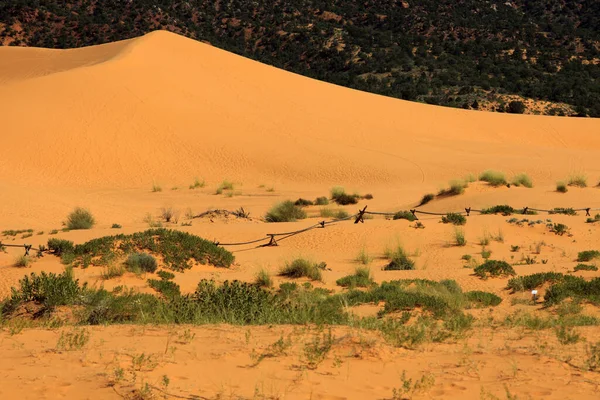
585	267
23	261
141	262
456	187
360	278
224	186
564	211
303	202
197	184
426	199
321	201
577	181
399	260
116	226
80	218
12	232
454	218
493	178
263	279
499	209
522	180
286	211
363	257
587	255
561	187
331	213
459	237
405	215
494	269
339	195
301	267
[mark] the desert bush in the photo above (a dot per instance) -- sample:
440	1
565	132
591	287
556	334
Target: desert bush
499	209
156	188
301	267
360	278
399	260
263	279
116	226
456	187
565	211
168	289
363	257
560	229
12	232
494	178
592	220
573	287
368	196
197	184
459	237
566	334
74	340
533	281
286	211
342	198
112	271
167	213
426	199
60	246
303	202
561	187
165	275
321	201
23	261
522	180
478	298
405	215
141	262
592	361
485	253
80	219
454	218
331	213
587	255
578	181
516	107
494	268
225	185
585	267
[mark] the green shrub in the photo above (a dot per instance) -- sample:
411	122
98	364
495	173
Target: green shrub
573	287
12	232
456	188
340	197
585	267
116	226
499	209
561	187
80	219
197	184
454	218
494	178
321	201
485	253
494	268
466	257
60	246
533	281
23	261
156	187
459	237
363	257
141	262
263	279
303	202
330	213
302	268
587	255
360	278
578	181
286	211
167	288
565	211
399	261
560	229
165	275
225	185
522	180
478	298
426	199
112	271
405	215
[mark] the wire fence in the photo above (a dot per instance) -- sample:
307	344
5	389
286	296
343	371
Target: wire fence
272	239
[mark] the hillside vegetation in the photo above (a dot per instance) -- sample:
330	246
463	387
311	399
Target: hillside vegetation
517	56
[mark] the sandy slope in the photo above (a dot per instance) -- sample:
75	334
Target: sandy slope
95	127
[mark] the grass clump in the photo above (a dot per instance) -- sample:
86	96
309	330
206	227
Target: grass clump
561	187
166	288
499	209
80	218
363	257
454	218
587	255
522	180
493	269
141	262
399	260
156	188
533	281
301	267
225	185
342	198
23	261
456	187
286	211
575	288
330	213
564	211
197	184
559	229
585	267
494	178
263	279
303	202
459	237
426	199
321	201
112	271
577	181
60	246
478	298
405	215
360	278
12	232
116	226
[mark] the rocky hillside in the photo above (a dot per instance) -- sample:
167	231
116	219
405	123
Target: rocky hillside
532	56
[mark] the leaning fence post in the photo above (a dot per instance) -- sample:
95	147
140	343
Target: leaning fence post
359	217
272	242
322	224
414	213
525	210
468	210
587	212
27	248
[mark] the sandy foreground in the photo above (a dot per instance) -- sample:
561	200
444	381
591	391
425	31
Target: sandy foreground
98	127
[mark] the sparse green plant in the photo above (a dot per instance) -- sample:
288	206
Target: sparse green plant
494	178
456	187
167	288
80	218
419	225
485	239
116	226
303	202
409	388
522	180
331	213
197	184
165	275
493	269
459	237
485	253
454	218
466	257
363	257
565	211
399	260
514	248
143	262
167	213
578	180
156	188
360	278
112	271
560	229
60	246
342	198
76	339
317	349
426	199
263	279
286	211
405	215
561	187
53	232
587	255
321	201
225	186
566	334
23	261
276	349
301	267
585	267
152	223
27	235
592	361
